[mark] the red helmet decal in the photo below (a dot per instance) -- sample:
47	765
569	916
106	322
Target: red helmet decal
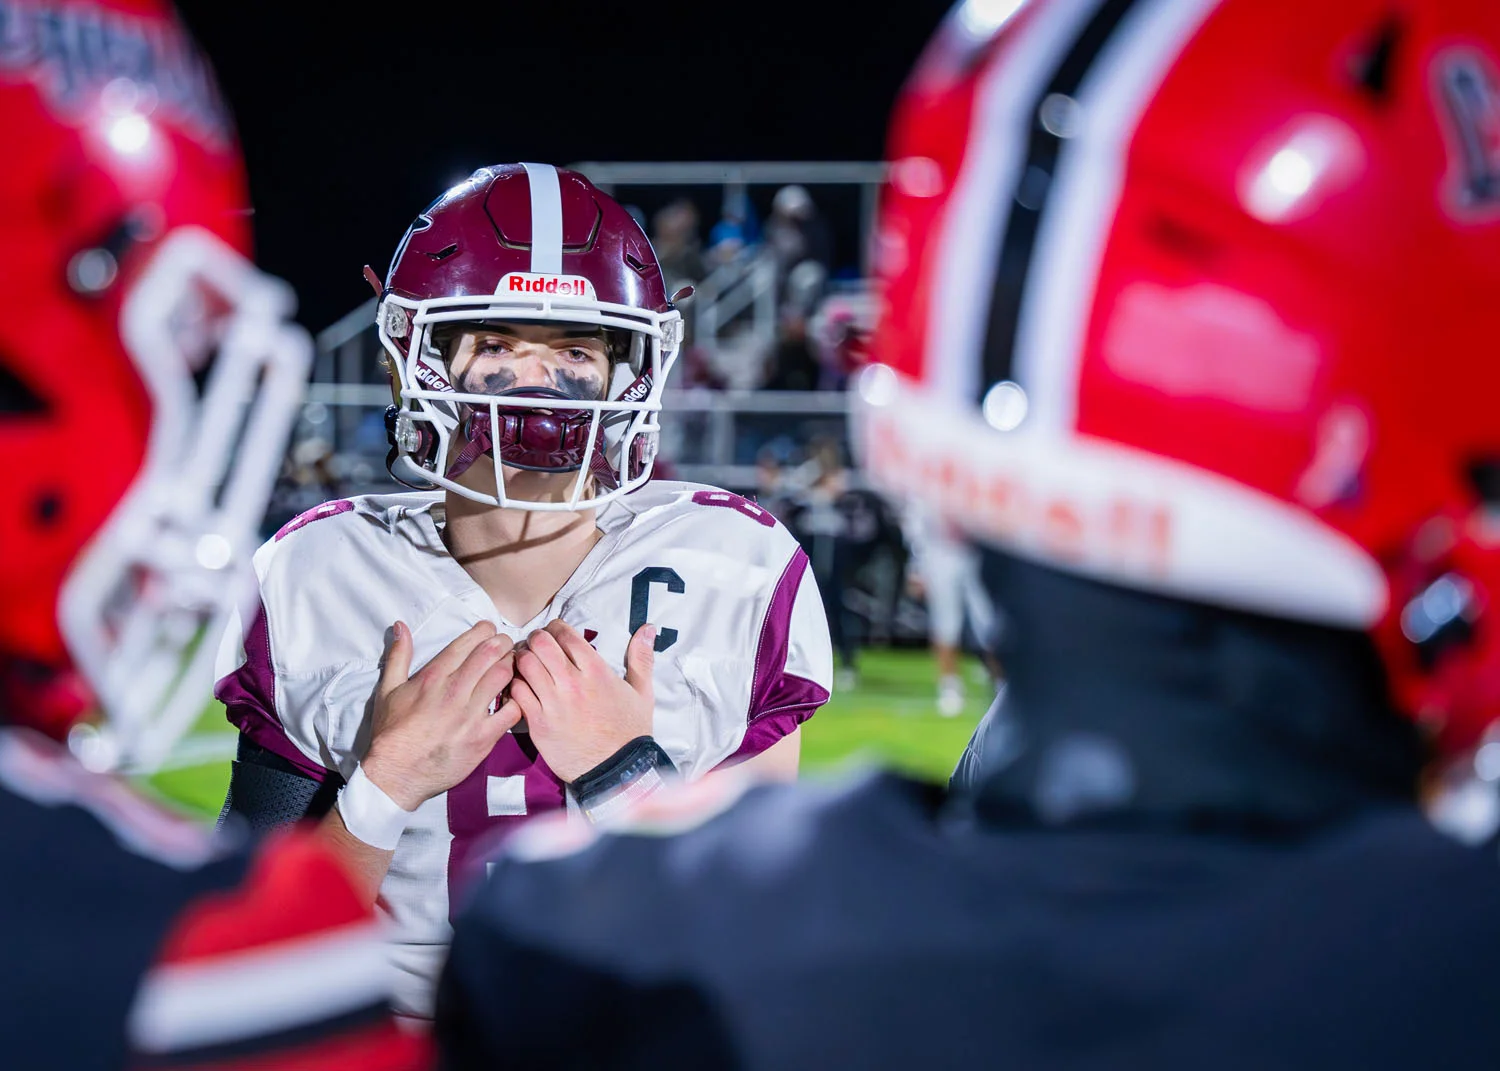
1470	101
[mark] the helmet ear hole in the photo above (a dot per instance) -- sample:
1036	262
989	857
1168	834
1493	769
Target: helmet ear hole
16	397
1484	478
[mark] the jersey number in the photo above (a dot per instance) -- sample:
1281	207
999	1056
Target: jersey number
640	584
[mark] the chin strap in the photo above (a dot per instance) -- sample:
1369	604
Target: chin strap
477	442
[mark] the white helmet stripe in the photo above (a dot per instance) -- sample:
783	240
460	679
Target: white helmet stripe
975	218
546	219
1080	206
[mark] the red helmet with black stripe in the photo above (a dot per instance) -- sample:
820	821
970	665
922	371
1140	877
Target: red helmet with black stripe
535	243
149	374
1196	296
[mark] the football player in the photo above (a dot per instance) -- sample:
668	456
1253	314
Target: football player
1190	325
943	571
541	626
139	344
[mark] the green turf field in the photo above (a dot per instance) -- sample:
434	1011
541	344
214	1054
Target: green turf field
890	716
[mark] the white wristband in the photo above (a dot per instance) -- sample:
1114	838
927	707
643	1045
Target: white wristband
369	814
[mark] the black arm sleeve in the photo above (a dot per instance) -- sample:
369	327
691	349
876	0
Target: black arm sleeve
266	791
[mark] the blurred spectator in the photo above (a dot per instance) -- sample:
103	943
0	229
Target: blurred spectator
726	243
796	230
803	287
838	332
797	234
737	230
874	563
850	349
679	249
793	365
696	368
307	479
740	357
771	484
819	484
794	362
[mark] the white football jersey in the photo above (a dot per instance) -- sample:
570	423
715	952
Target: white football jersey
743	657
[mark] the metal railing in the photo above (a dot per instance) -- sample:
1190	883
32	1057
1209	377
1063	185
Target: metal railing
746	284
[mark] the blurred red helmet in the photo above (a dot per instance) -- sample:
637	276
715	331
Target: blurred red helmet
1198	297
147	376
536	243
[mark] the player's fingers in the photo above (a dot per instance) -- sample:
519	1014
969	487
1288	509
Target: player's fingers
493	681
506	717
395	667
480	659
522	695
640	657
451	657
534	672
578	650
545	647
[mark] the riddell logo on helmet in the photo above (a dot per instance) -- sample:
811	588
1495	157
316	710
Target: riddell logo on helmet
430	379
1120	528
639	389
519	282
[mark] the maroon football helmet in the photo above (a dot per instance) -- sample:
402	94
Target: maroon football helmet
527	242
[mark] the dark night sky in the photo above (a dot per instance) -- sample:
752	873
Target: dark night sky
352	124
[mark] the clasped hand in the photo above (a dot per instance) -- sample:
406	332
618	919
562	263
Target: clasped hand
433	727
578	710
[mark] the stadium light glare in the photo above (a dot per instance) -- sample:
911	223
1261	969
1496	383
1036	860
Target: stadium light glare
129	134
213	551
877	385
983	18
1319	155
1005	406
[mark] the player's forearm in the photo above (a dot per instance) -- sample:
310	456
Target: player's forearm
367	864
368	821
